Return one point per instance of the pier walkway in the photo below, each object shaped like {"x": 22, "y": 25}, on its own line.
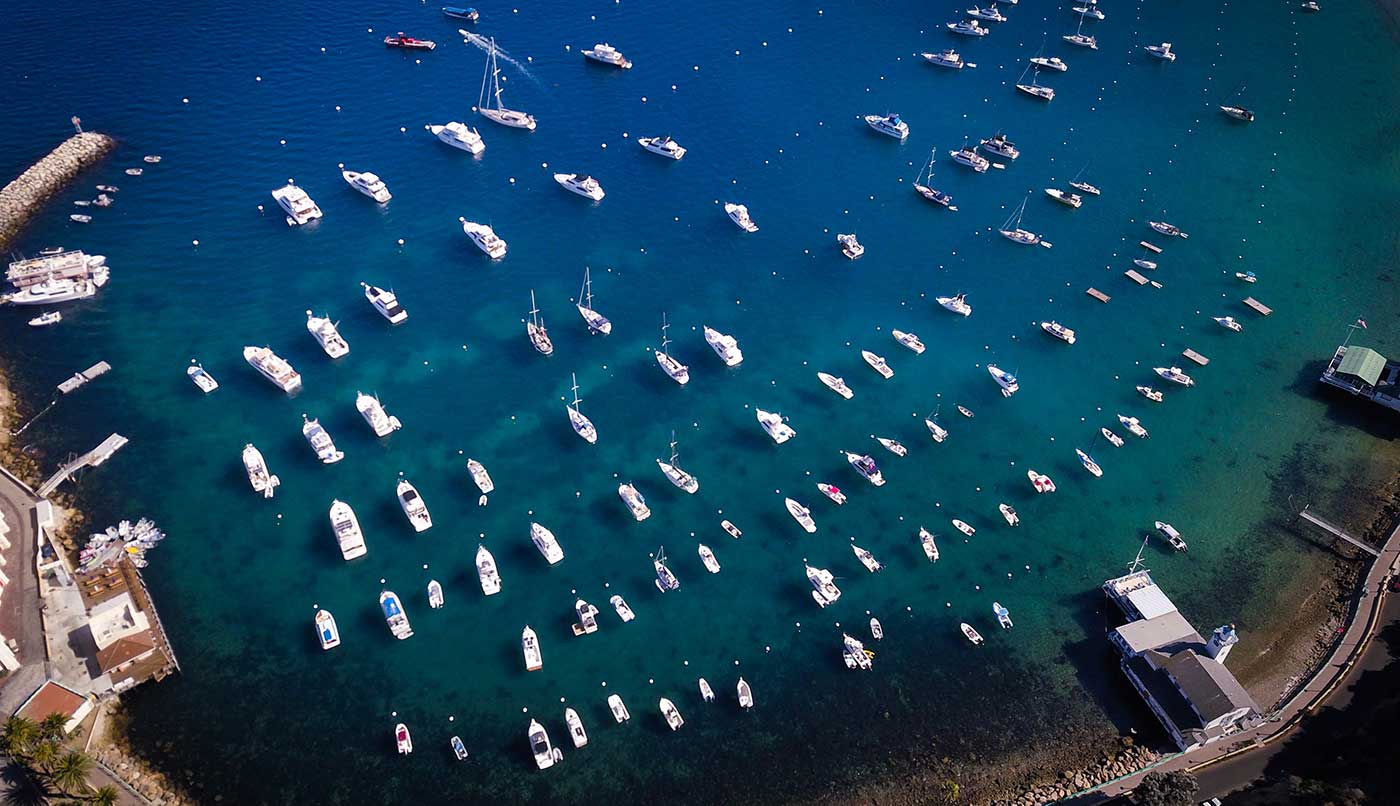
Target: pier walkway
{"x": 92, "y": 458}
{"x": 1336, "y": 531}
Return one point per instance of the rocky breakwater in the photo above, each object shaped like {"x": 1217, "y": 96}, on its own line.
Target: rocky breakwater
{"x": 21, "y": 199}
{"x": 1113, "y": 762}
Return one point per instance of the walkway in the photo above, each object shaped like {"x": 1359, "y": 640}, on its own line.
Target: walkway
{"x": 92, "y": 458}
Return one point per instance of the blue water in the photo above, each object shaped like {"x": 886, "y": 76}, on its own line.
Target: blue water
{"x": 767, "y": 99}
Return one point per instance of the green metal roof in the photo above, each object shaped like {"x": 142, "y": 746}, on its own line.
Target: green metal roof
{"x": 1364, "y": 363}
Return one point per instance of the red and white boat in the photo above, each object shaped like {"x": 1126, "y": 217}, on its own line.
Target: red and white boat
{"x": 1042, "y": 483}
{"x": 408, "y": 43}
{"x": 833, "y": 492}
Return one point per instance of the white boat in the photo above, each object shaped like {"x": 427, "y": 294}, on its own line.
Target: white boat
{"x": 850, "y": 247}
{"x": 1090, "y": 9}
{"x": 665, "y": 580}
{"x": 480, "y": 477}
{"x": 774, "y": 425}
{"x": 1009, "y": 512}
{"x": 607, "y": 54}
{"x": 580, "y": 423}
{"x": 1238, "y": 113}
{"x": 877, "y": 631}
{"x": 488, "y": 103}
{"x": 618, "y": 708}
{"x": 909, "y": 340}
{"x": 724, "y": 346}
{"x": 485, "y": 238}
{"x": 413, "y": 506}
{"x": 732, "y": 530}
{"x": 459, "y": 135}
{"x": 1144, "y": 263}
{"x": 923, "y": 184}
{"x": 402, "y": 740}
{"x": 938, "y": 432}
{"x": 739, "y": 214}
{"x": 1007, "y": 381}
{"x": 866, "y": 559}
{"x": 1080, "y": 38}
{"x": 1003, "y": 615}
{"x": 877, "y": 363}
{"x": 380, "y": 421}
{"x": 968, "y": 28}
{"x": 1034, "y": 89}
{"x": 435, "y": 594}
{"x": 347, "y": 531}
{"x": 801, "y": 514}
{"x": 394, "y": 616}
{"x": 1175, "y": 375}
{"x": 55, "y": 289}
{"x": 1150, "y": 393}
{"x": 597, "y": 323}
{"x": 487, "y": 572}
{"x": 930, "y": 547}
{"x": 1070, "y": 199}
{"x": 671, "y": 714}
{"x": 298, "y": 206}
{"x": 1246, "y": 276}
{"x": 1113, "y": 439}
{"x": 587, "y": 618}
{"x": 1050, "y": 63}
{"x": 1172, "y": 535}
{"x": 971, "y": 634}
{"x": 1013, "y": 231}
{"x": 964, "y": 527}
{"x": 1041, "y": 482}
{"x": 539, "y": 337}
{"x": 706, "y": 693}
{"x": 1134, "y": 426}
{"x": 833, "y": 492}
{"x": 745, "y": 694}
{"x": 367, "y": 183}
{"x": 1167, "y": 229}
{"x": 970, "y": 158}
{"x": 258, "y": 475}
{"x": 835, "y": 384}
{"x": 546, "y": 543}
{"x": 674, "y": 369}
{"x": 54, "y": 317}
{"x": 1229, "y": 323}
{"x": 326, "y": 631}
{"x": 83, "y": 218}
{"x": 200, "y": 376}
{"x": 320, "y": 440}
{"x": 854, "y": 653}
{"x": 893, "y": 446}
{"x": 1162, "y": 51}
{"x": 274, "y": 368}
{"x": 1059, "y": 331}
{"x": 708, "y": 558}
{"x": 866, "y": 466}
{"x": 324, "y": 331}
{"x": 990, "y": 14}
{"x": 824, "y": 590}
{"x": 636, "y": 504}
{"x": 582, "y": 184}
{"x": 1089, "y": 463}
{"x": 888, "y": 124}
{"x": 385, "y": 302}
{"x": 546, "y": 755}
{"x": 1084, "y": 187}
{"x": 623, "y": 611}
{"x": 664, "y": 146}
{"x": 672, "y": 470}
{"x": 956, "y": 304}
{"x": 945, "y": 58}
{"x": 530, "y": 647}
{"x": 1001, "y": 146}
{"x": 576, "y": 731}
{"x": 459, "y": 749}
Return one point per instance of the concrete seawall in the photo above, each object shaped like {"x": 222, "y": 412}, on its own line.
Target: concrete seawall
{"x": 22, "y": 199}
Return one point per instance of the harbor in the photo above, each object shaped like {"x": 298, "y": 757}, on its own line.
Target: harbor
{"x": 24, "y": 196}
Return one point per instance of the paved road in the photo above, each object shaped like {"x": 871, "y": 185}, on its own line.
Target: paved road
{"x": 19, "y": 605}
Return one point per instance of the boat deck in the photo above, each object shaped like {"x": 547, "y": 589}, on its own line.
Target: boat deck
{"x": 66, "y": 265}
{"x": 1132, "y": 274}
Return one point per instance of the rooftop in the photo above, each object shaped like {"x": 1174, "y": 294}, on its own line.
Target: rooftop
{"x": 125, "y": 649}
{"x": 116, "y": 618}
{"x": 1169, "y": 632}
{"x": 1211, "y": 688}
{"x": 1139, "y": 596}
{"x": 51, "y": 698}
{"x": 1364, "y": 363}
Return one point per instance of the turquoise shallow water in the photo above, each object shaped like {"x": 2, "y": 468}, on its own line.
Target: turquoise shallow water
{"x": 261, "y": 715}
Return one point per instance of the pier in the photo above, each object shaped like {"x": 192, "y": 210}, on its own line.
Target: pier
{"x": 1098, "y": 295}
{"x": 1336, "y": 531}
{"x": 22, "y": 198}
{"x": 1363, "y": 372}
{"x": 92, "y": 458}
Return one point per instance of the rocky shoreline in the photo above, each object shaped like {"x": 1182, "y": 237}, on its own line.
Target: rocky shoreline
{"x": 1111, "y": 763}
{"x": 22, "y": 199}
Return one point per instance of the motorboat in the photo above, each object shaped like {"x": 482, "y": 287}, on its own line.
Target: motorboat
{"x": 706, "y": 693}
{"x": 489, "y": 104}
{"x": 1162, "y": 51}
{"x": 674, "y": 369}
{"x": 970, "y": 158}
{"x": 367, "y": 183}
{"x": 198, "y": 375}
{"x": 546, "y": 543}
{"x": 636, "y": 504}
{"x": 1238, "y": 113}
{"x": 402, "y": 41}
{"x": 673, "y": 472}
{"x": 1311, "y": 6}
{"x": 320, "y": 440}
{"x": 724, "y": 346}
{"x": 801, "y": 514}
{"x": 671, "y": 714}
{"x": 665, "y": 580}
{"x": 964, "y": 527}
{"x": 866, "y": 466}
{"x": 587, "y": 618}
{"x": 854, "y": 653}
{"x": 258, "y": 475}
{"x": 1003, "y": 615}
{"x": 999, "y": 145}
{"x": 966, "y": 412}
{"x": 535, "y": 329}
{"x": 624, "y": 612}
{"x": 877, "y": 630}
{"x": 739, "y": 214}
{"x": 394, "y": 616}
{"x": 1050, "y": 63}
{"x": 413, "y": 506}
{"x": 1007, "y": 381}
{"x": 274, "y": 368}
{"x": 83, "y": 218}
{"x": 1246, "y": 276}
{"x": 468, "y": 14}
{"x": 324, "y": 331}
{"x": 1059, "y": 331}
{"x": 1144, "y": 263}
{"x": 938, "y": 432}
{"x": 546, "y": 755}
{"x": 1041, "y": 482}
{"x": 576, "y": 731}
{"x": 1167, "y": 229}
{"x": 326, "y": 631}
{"x": 597, "y": 323}
{"x": 485, "y": 238}
{"x": 435, "y": 594}
{"x": 402, "y": 740}
{"x": 480, "y": 477}
{"x": 893, "y": 446}
{"x": 930, "y": 547}
{"x": 580, "y": 423}
{"x": 833, "y": 492}
{"x": 909, "y": 340}
{"x": 945, "y": 58}
{"x": 707, "y": 556}
{"x": 385, "y": 302}
{"x": 530, "y": 647}
{"x": 380, "y": 421}
{"x": 1071, "y": 199}
{"x": 55, "y": 289}
{"x": 1009, "y": 513}
{"x": 582, "y": 184}
{"x": 824, "y": 590}
{"x": 968, "y": 28}
{"x": 971, "y": 634}
{"x": 1089, "y": 463}
{"x": 730, "y": 529}
{"x": 923, "y": 184}
{"x": 664, "y": 146}
{"x": 890, "y": 124}
{"x": 956, "y": 304}
{"x": 458, "y": 748}
{"x": 347, "y": 531}
{"x": 1089, "y": 9}
{"x": 877, "y": 363}
{"x": 1175, "y": 375}
{"x": 990, "y": 14}
{"x": 298, "y": 206}
{"x": 774, "y": 425}
{"x": 1150, "y": 393}
{"x": 487, "y": 572}
{"x": 866, "y": 559}
{"x": 1134, "y": 426}
{"x": 850, "y": 247}
{"x": 1014, "y": 232}
{"x": 618, "y": 708}
{"x": 835, "y": 384}
{"x": 1172, "y": 536}
{"x": 1229, "y": 323}
{"x": 745, "y": 693}
{"x": 607, "y": 54}
{"x": 459, "y": 135}
{"x": 1113, "y": 439}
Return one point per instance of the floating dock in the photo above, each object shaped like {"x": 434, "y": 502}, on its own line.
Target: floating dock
{"x": 79, "y": 378}
{"x": 1195, "y": 356}
{"x": 92, "y": 458}
{"x": 1259, "y": 307}
{"x": 1132, "y": 274}
{"x": 1097, "y": 294}
{"x": 1151, "y": 247}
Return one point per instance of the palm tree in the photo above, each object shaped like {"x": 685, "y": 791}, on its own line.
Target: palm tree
{"x": 18, "y": 736}
{"x": 42, "y": 757}
{"x": 71, "y": 771}
{"x": 53, "y": 727}
{"x": 105, "y": 796}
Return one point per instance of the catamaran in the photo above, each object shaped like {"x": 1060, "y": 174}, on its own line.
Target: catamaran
{"x": 487, "y": 572}
{"x": 938, "y": 432}
{"x": 1012, "y": 230}
{"x": 774, "y": 425}
{"x": 273, "y": 367}
{"x": 546, "y": 543}
{"x": 1059, "y": 331}
{"x": 724, "y": 346}
{"x": 459, "y": 135}
{"x": 956, "y": 304}
{"x": 530, "y": 648}
{"x": 745, "y": 694}
{"x": 1041, "y": 482}
{"x": 489, "y": 105}
{"x": 930, "y": 547}
{"x": 394, "y": 615}
{"x": 923, "y": 185}
{"x": 480, "y": 477}
{"x": 624, "y": 612}
{"x": 674, "y": 369}
{"x": 636, "y": 504}
{"x": 866, "y": 559}
{"x": 413, "y": 506}
{"x": 801, "y": 514}
{"x": 665, "y": 580}
{"x": 708, "y": 558}
{"x": 534, "y": 328}
{"x": 854, "y": 653}
{"x": 888, "y": 124}
{"x": 326, "y": 631}
{"x": 581, "y": 424}
{"x": 546, "y": 756}
{"x": 672, "y": 470}
{"x": 324, "y": 331}
{"x": 865, "y": 466}
{"x": 739, "y": 214}
{"x": 385, "y": 302}
{"x": 367, "y": 183}
{"x": 380, "y": 421}
{"x": 850, "y": 247}
{"x": 664, "y": 146}
{"x": 1175, "y": 375}
{"x": 1007, "y": 381}
{"x": 877, "y": 363}
{"x": 347, "y": 531}
{"x": 258, "y": 475}
{"x": 908, "y": 340}
{"x": 320, "y": 441}
{"x": 485, "y": 238}
{"x": 824, "y": 589}
{"x": 836, "y": 385}
{"x": 597, "y": 323}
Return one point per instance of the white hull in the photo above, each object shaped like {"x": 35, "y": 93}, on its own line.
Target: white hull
{"x": 487, "y": 572}
{"x": 347, "y": 531}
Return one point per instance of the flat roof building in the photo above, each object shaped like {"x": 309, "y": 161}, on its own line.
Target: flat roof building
{"x": 1363, "y": 372}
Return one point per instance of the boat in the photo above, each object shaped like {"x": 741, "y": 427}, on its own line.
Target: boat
{"x": 1311, "y": 6}
{"x": 1229, "y": 323}
{"x": 739, "y": 214}
{"x": 1012, "y": 230}
{"x": 855, "y": 654}
{"x": 400, "y": 40}
{"x": 945, "y": 58}
{"x": 745, "y": 694}
{"x": 999, "y": 145}
{"x": 1134, "y": 426}
{"x": 866, "y": 466}
{"x": 1246, "y": 276}
{"x": 801, "y": 514}
{"x": 54, "y": 289}
{"x": 1175, "y": 375}
{"x": 1008, "y": 512}
{"x": 298, "y": 206}
{"x": 1238, "y": 113}
{"x": 597, "y": 323}
{"x": 258, "y": 476}
{"x": 1007, "y": 381}
{"x": 394, "y": 615}
{"x": 324, "y": 331}
{"x": 347, "y": 531}
{"x": 966, "y": 412}
{"x": 964, "y": 527}
{"x": 582, "y": 184}
{"x": 103, "y": 189}
{"x": 134, "y": 171}
{"x": 1144, "y": 263}
{"x": 888, "y": 124}
{"x": 729, "y": 527}
{"x": 850, "y": 247}
{"x": 413, "y": 506}
{"x": 607, "y": 54}
{"x": 1167, "y": 229}
{"x": 485, "y": 238}
{"x": 970, "y": 158}
{"x": 581, "y": 424}
{"x": 1089, "y": 463}
{"x": 835, "y": 384}
{"x": 539, "y": 337}
{"x": 488, "y": 103}
{"x": 434, "y": 594}
{"x": 458, "y": 749}
{"x": 1059, "y": 331}
{"x": 866, "y": 559}
{"x": 968, "y": 28}
{"x": 1150, "y": 393}
{"x": 530, "y": 646}
{"x": 618, "y": 708}
{"x": 1172, "y": 535}
{"x": 380, "y": 421}
{"x": 636, "y": 504}
{"x": 82, "y": 218}
{"x": 708, "y": 558}
{"x": 990, "y": 14}
{"x": 1089, "y": 9}
{"x": 459, "y": 135}
{"x": 672, "y": 470}
{"x": 402, "y": 740}
{"x": 468, "y": 14}
{"x": 367, "y": 183}
{"x": 664, "y": 146}
{"x": 1072, "y": 199}
{"x": 576, "y": 731}
{"x": 587, "y": 618}
{"x": 824, "y": 590}
{"x": 774, "y": 425}
{"x": 1034, "y": 89}
{"x": 1162, "y": 51}
{"x": 671, "y": 714}
{"x": 152, "y": 159}
{"x": 320, "y": 441}
{"x": 274, "y": 368}
{"x": 326, "y": 631}
{"x": 200, "y": 376}
{"x": 1051, "y": 63}
{"x": 546, "y": 543}
{"x": 877, "y": 363}
{"x": 909, "y": 340}
{"x": 385, "y": 302}
{"x": 1080, "y": 38}
{"x": 893, "y": 446}
{"x": 926, "y": 539}
{"x": 956, "y": 304}
{"x": 480, "y": 477}
{"x": 972, "y": 635}
{"x": 938, "y": 432}
{"x": 706, "y": 693}
{"x": 487, "y": 572}
{"x": 623, "y": 611}
{"x": 665, "y": 580}
{"x": 923, "y": 185}
{"x": 1003, "y": 615}
{"x": 1041, "y": 482}
{"x": 833, "y": 492}
{"x": 674, "y": 369}
{"x": 877, "y": 631}
{"x": 724, "y": 346}
{"x": 1084, "y": 187}
{"x": 546, "y": 756}
{"x": 1113, "y": 439}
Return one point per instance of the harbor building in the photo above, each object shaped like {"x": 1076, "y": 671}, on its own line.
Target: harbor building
{"x": 1180, "y": 675}
{"x": 55, "y": 698}
{"x": 1363, "y": 372}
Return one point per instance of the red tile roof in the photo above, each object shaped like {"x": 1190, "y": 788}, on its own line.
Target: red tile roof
{"x": 51, "y": 698}
{"x": 125, "y": 649}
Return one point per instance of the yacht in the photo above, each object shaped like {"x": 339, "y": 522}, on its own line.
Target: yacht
{"x": 1134, "y": 426}
{"x": 1089, "y": 463}
{"x": 530, "y": 647}
{"x": 802, "y": 515}
{"x": 1246, "y": 276}
{"x": 1144, "y": 263}
{"x": 582, "y": 184}
{"x": 623, "y": 611}
{"x": 1311, "y": 6}
{"x": 459, "y": 749}
{"x": 1034, "y": 89}
{"x": 674, "y": 369}
{"x": 745, "y": 694}
{"x": 1009, "y": 512}
{"x": 488, "y": 103}
{"x": 324, "y": 331}
{"x": 539, "y": 337}
{"x": 1172, "y": 535}
{"x": 1007, "y": 381}
{"x": 706, "y": 693}
{"x": 1238, "y": 113}
{"x": 1059, "y": 331}
{"x": 1071, "y": 199}
{"x": 1162, "y": 51}
{"x": 970, "y": 158}
{"x": 930, "y": 547}
{"x": 581, "y": 424}
{"x": 413, "y": 506}
{"x": 367, "y": 183}
{"x": 888, "y": 124}
{"x": 866, "y": 466}
{"x": 1090, "y": 9}
{"x": 597, "y": 323}
{"x": 938, "y": 432}
{"x": 866, "y": 559}
{"x": 923, "y": 184}
{"x": 636, "y": 504}
{"x": 968, "y": 28}
{"x": 850, "y": 247}
{"x": 773, "y": 424}
{"x": 576, "y": 731}
{"x": 298, "y": 206}
{"x": 964, "y": 527}
{"x": 1013, "y": 231}
{"x": 487, "y": 572}
{"x": 434, "y": 594}
{"x": 672, "y": 470}
{"x": 824, "y": 589}
{"x": 1167, "y": 229}
{"x": 468, "y": 14}
{"x": 1051, "y": 63}
{"x": 893, "y": 446}
{"x": 201, "y": 377}
{"x": 320, "y": 441}
{"x": 908, "y": 340}
{"x": 607, "y": 54}
{"x": 326, "y": 631}
{"x": 545, "y": 755}
{"x": 724, "y": 346}
{"x": 274, "y": 368}
{"x": 877, "y": 631}
{"x": 618, "y": 708}
{"x": 999, "y": 145}
{"x": 373, "y": 411}
{"x": 990, "y": 14}
{"x": 833, "y": 492}
{"x": 258, "y": 475}
{"x": 665, "y": 580}
{"x": 1082, "y": 186}
{"x": 546, "y": 543}
{"x": 708, "y": 558}
{"x": 739, "y": 214}
{"x": 664, "y": 146}
{"x": 956, "y": 304}
{"x": 1041, "y": 482}
{"x": 671, "y": 715}
{"x": 877, "y": 363}
{"x": 55, "y": 289}
{"x": 1003, "y": 615}
{"x": 480, "y": 477}
{"x": 1175, "y": 375}
{"x": 587, "y": 618}
{"x": 945, "y": 58}
{"x": 347, "y": 531}
{"x": 1150, "y": 393}
{"x": 1113, "y": 439}
{"x": 385, "y": 302}
{"x": 394, "y": 615}
{"x": 402, "y": 739}
{"x": 971, "y": 634}
{"x": 400, "y": 40}
{"x": 1229, "y": 323}
{"x": 459, "y": 135}
{"x": 836, "y": 385}
{"x": 855, "y": 654}
{"x": 485, "y": 238}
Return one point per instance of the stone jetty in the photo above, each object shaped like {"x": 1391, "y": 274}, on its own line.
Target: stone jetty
{"x": 22, "y": 199}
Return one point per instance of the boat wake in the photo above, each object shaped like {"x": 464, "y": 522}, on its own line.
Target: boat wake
{"x": 484, "y": 44}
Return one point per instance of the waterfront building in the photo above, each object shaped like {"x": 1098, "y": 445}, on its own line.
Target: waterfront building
{"x": 1363, "y": 372}
{"x": 55, "y": 698}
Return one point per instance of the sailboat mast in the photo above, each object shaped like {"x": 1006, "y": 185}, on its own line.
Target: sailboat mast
{"x": 481, "y": 96}
{"x": 574, "y": 376}
{"x": 534, "y": 309}
{"x": 673, "y": 449}
{"x": 664, "y": 339}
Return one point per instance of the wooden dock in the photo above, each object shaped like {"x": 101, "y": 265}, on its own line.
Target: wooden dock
{"x": 1151, "y": 247}
{"x": 1259, "y": 307}
{"x": 1132, "y": 274}
{"x": 1195, "y": 356}
{"x": 92, "y": 458}
{"x": 1098, "y": 295}
{"x": 1336, "y": 532}
{"x": 79, "y": 378}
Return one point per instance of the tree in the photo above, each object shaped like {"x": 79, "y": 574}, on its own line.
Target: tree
{"x": 71, "y": 771}
{"x": 52, "y": 727}
{"x": 18, "y": 736}
{"x": 105, "y": 796}
{"x": 1176, "y": 788}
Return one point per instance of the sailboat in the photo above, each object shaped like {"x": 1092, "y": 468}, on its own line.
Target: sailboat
{"x": 597, "y": 323}
{"x": 498, "y": 113}
{"x": 538, "y": 335}
{"x": 1084, "y": 187}
{"x": 1237, "y": 112}
{"x": 1080, "y": 38}
{"x": 1012, "y": 230}
{"x": 673, "y": 471}
{"x": 923, "y": 184}
{"x": 1034, "y": 88}
{"x": 582, "y": 425}
{"x": 677, "y": 371}
{"x": 938, "y": 432}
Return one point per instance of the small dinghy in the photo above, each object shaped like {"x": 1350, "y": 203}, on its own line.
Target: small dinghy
{"x": 1003, "y": 615}
{"x": 54, "y": 317}
{"x": 618, "y": 708}
{"x": 876, "y": 630}
{"x": 706, "y": 693}
{"x": 1012, "y": 519}
{"x": 434, "y": 594}
{"x": 733, "y": 530}
{"x": 972, "y": 634}
{"x": 459, "y": 749}
{"x": 745, "y": 694}
{"x": 963, "y": 527}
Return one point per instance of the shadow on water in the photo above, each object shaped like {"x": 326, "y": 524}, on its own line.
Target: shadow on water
{"x": 1344, "y": 410}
